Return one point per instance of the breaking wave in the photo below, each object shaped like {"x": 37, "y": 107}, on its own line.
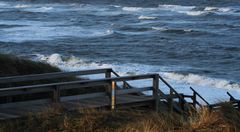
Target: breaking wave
{"x": 194, "y": 11}
{"x": 202, "y": 80}
{"x": 218, "y": 9}
{"x": 73, "y": 63}
{"x": 176, "y": 7}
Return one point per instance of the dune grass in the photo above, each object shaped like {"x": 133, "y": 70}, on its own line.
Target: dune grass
{"x": 12, "y": 66}
{"x": 55, "y": 119}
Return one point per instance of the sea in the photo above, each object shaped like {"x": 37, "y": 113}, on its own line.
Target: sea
{"x": 189, "y": 43}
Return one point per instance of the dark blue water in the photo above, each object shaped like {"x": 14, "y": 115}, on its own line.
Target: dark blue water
{"x": 195, "y": 42}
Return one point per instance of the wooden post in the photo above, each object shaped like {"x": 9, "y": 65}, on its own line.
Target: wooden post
{"x": 108, "y": 74}
{"x": 182, "y": 103}
{"x": 125, "y": 86}
{"x": 9, "y": 98}
{"x": 155, "y": 92}
{"x": 108, "y": 87}
{"x": 113, "y": 95}
{"x": 194, "y": 98}
{"x": 56, "y": 94}
{"x": 170, "y": 101}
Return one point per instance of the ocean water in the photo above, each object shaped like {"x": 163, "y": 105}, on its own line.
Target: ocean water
{"x": 193, "y": 43}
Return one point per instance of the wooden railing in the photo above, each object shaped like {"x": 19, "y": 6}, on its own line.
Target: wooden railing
{"x": 195, "y": 101}
{"x": 45, "y": 76}
{"x": 184, "y": 108}
{"x": 110, "y": 80}
{"x": 235, "y": 102}
{"x": 231, "y": 97}
{"x": 56, "y": 88}
{"x": 125, "y": 84}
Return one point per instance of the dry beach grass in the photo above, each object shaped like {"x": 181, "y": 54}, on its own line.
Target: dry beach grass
{"x": 55, "y": 118}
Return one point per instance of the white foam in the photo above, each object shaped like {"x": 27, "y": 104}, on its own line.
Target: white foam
{"x": 210, "y": 8}
{"x": 22, "y": 6}
{"x": 176, "y": 7}
{"x": 34, "y": 30}
{"x": 133, "y": 9}
{"x": 225, "y": 9}
{"x": 202, "y": 80}
{"x": 70, "y": 63}
{"x": 40, "y": 9}
{"x": 188, "y": 10}
{"x": 146, "y": 17}
{"x": 139, "y": 9}
{"x": 195, "y": 13}
{"x": 171, "y": 29}
{"x": 218, "y": 9}
{"x": 210, "y": 88}
{"x": 160, "y": 28}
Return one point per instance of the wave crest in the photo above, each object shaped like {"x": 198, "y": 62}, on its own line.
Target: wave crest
{"x": 218, "y": 9}
{"x": 73, "y": 63}
{"x": 146, "y": 17}
{"x": 169, "y": 30}
{"x": 132, "y": 8}
{"x": 22, "y": 6}
{"x": 202, "y": 80}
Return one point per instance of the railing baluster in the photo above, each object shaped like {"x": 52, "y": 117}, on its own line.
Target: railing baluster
{"x": 182, "y": 103}
{"x": 194, "y": 98}
{"x": 113, "y": 95}
{"x": 56, "y": 94}
{"x": 175, "y": 92}
{"x": 155, "y": 91}
{"x": 170, "y": 101}
{"x": 125, "y": 84}
{"x": 108, "y": 73}
{"x": 231, "y": 97}
{"x": 200, "y": 97}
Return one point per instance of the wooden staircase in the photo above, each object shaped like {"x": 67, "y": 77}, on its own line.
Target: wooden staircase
{"x": 111, "y": 91}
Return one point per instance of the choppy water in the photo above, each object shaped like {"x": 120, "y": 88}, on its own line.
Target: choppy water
{"x": 189, "y": 43}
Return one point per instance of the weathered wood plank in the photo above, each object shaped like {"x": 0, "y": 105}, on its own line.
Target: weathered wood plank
{"x": 51, "y": 75}
{"x": 47, "y": 89}
{"x": 23, "y": 92}
{"x": 133, "y": 90}
{"x": 83, "y": 96}
{"x": 125, "y": 99}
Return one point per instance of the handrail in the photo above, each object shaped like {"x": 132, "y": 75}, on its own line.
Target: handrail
{"x": 51, "y": 75}
{"x": 171, "y": 88}
{"x": 117, "y": 75}
{"x": 231, "y": 97}
{"x": 123, "y": 78}
{"x": 111, "y": 91}
{"x": 199, "y": 96}
{"x": 182, "y": 101}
